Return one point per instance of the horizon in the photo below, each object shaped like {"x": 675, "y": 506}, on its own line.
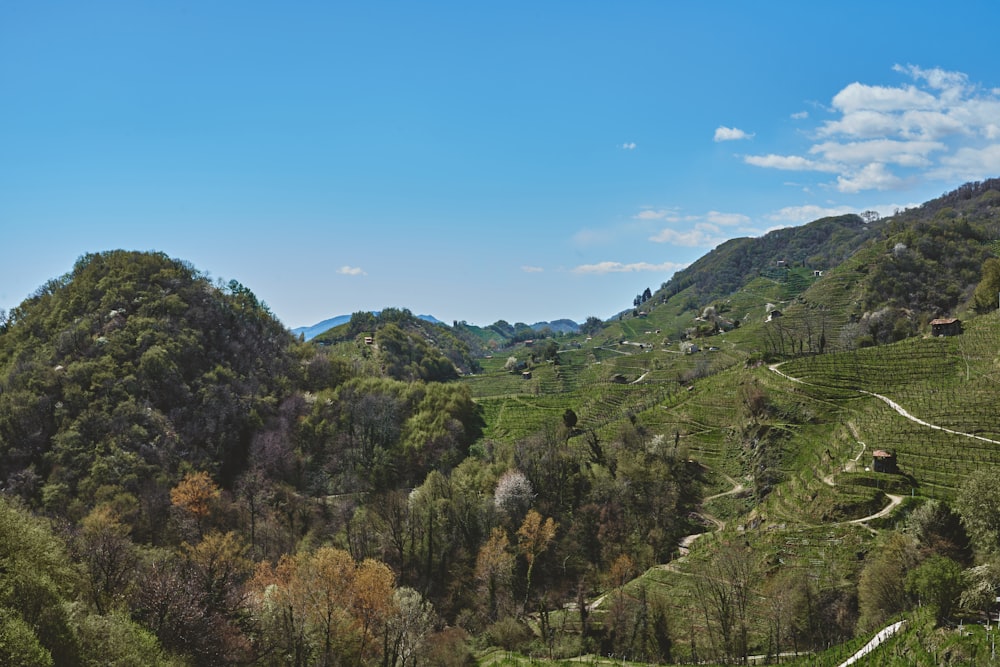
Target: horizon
{"x": 521, "y": 163}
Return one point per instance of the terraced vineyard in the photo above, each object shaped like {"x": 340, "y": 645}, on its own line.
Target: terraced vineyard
{"x": 950, "y": 383}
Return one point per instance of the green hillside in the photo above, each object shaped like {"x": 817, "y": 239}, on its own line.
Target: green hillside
{"x": 694, "y": 480}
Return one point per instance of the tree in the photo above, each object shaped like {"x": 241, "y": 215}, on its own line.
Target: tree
{"x": 218, "y": 567}
{"x": 495, "y": 573}
{"x": 196, "y": 495}
{"x": 725, "y": 588}
{"x": 410, "y": 623}
{"x": 513, "y": 494}
{"x": 987, "y": 294}
{"x": 937, "y": 583}
{"x": 19, "y": 647}
{"x": 940, "y": 531}
{"x": 108, "y": 555}
{"x": 533, "y": 538}
{"x": 592, "y": 325}
{"x": 324, "y": 608}
{"x": 978, "y": 503}
{"x": 882, "y": 586}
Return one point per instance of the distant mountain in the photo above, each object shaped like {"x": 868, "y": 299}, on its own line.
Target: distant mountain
{"x": 558, "y": 326}
{"x": 324, "y": 326}
{"x": 316, "y": 329}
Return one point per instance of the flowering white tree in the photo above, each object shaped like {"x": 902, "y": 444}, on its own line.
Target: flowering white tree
{"x": 513, "y": 494}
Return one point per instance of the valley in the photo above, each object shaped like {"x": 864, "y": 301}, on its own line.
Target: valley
{"x": 771, "y": 455}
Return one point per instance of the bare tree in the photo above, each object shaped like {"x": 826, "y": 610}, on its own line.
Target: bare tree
{"x": 725, "y": 588}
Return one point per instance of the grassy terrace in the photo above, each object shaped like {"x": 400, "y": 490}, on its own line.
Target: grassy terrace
{"x": 948, "y": 382}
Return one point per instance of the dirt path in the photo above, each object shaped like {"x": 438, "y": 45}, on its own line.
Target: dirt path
{"x": 894, "y": 405}
{"x": 894, "y": 500}
{"x": 898, "y": 408}
{"x": 684, "y": 546}
{"x": 883, "y": 634}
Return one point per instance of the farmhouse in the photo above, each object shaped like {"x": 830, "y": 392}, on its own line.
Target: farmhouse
{"x": 884, "y": 461}
{"x": 951, "y": 326}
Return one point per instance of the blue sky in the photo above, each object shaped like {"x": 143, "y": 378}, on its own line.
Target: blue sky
{"x": 480, "y": 161}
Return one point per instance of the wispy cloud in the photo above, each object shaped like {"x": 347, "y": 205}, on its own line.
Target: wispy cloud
{"x": 532, "y": 269}
{"x": 693, "y": 231}
{"x": 723, "y": 133}
{"x": 800, "y": 115}
{"x": 727, "y": 219}
{"x": 617, "y": 267}
{"x": 668, "y": 214}
{"x": 351, "y": 271}
{"x": 788, "y": 163}
{"x": 628, "y": 146}
{"x": 808, "y": 213}
{"x": 936, "y": 126}
{"x": 702, "y": 235}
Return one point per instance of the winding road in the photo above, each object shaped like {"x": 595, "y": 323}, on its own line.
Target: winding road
{"x": 892, "y": 404}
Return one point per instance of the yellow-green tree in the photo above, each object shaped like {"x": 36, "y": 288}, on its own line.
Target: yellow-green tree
{"x": 324, "y": 608}
{"x": 195, "y": 495}
{"x": 533, "y": 538}
{"x": 987, "y": 291}
{"x": 495, "y": 572}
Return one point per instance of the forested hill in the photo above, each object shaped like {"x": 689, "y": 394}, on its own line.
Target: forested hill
{"x": 820, "y": 245}
{"x": 918, "y": 264}
{"x": 128, "y": 367}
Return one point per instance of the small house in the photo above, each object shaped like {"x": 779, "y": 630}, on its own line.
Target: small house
{"x": 951, "y": 326}
{"x": 817, "y": 274}
{"x": 884, "y": 460}
{"x": 369, "y": 340}
{"x": 526, "y": 375}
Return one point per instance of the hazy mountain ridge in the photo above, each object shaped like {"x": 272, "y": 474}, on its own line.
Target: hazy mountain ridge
{"x": 310, "y": 332}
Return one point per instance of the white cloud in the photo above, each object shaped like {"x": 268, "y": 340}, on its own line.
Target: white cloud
{"x": 702, "y": 235}
{"x": 874, "y": 176}
{"x": 723, "y": 133}
{"x": 890, "y": 151}
{"x": 788, "y": 162}
{"x": 726, "y": 219}
{"x": 800, "y": 115}
{"x": 971, "y": 164}
{"x": 861, "y": 97}
{"x": 628, "y": 146}
{"x": 351, "y": 271}
{"x": 602, "y": 268}
{"x": 665, "y": 214}
{"x": 808, "y": 213}
{"x": 938, "y": 126}
{"x": 653, "y": 214}
{"x": 936, "y": 78}
{"x": 532, "y": 269}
